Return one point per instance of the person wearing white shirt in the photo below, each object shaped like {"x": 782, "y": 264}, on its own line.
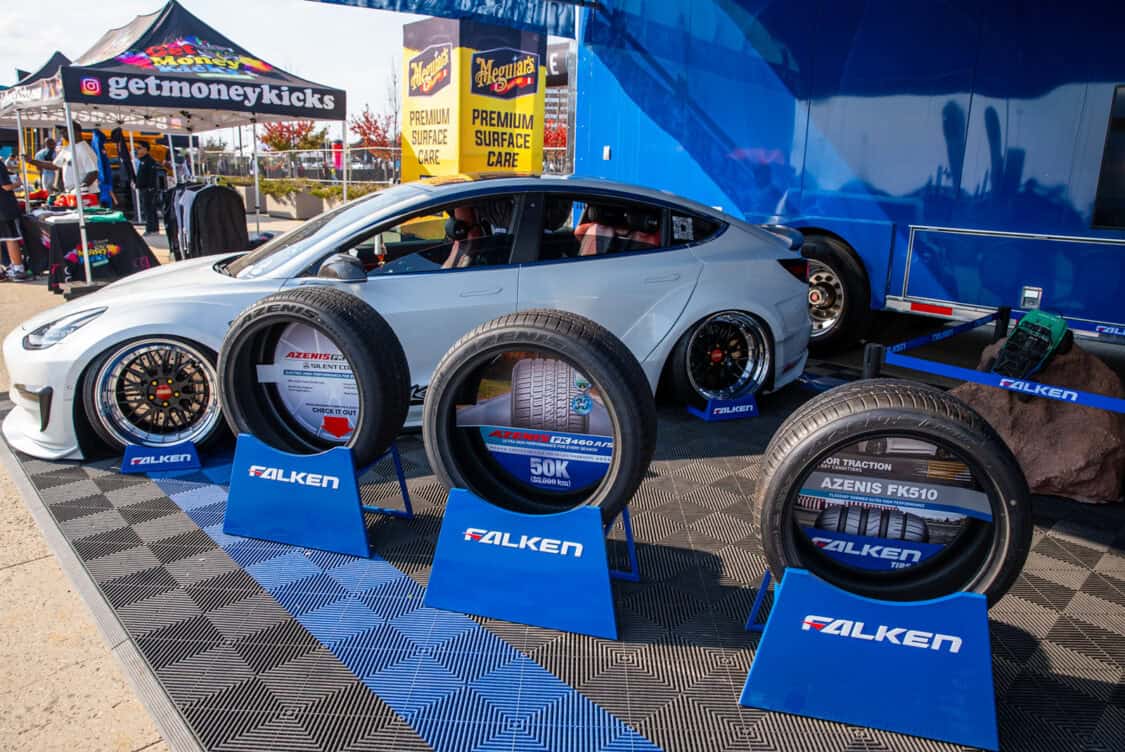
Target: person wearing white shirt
{"x": 82, "y": 167}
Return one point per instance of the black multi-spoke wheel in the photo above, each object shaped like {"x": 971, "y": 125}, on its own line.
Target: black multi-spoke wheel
{"x": 726, "y": 356}
{"x": 153, "y": 391}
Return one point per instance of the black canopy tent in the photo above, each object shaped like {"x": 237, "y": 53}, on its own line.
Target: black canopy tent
{"x": 168, "y": 71}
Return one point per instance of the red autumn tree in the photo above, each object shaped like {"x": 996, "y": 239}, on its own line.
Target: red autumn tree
{"x": 299, "y": 134}
{"x": 378, "y": 133}
{"x": 554, "y": 135}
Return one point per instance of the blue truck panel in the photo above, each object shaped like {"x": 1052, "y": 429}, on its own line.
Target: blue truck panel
{"x": 877, "y": 121}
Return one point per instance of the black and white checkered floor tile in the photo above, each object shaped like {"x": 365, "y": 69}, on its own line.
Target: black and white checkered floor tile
{"x": 266, "y": 646}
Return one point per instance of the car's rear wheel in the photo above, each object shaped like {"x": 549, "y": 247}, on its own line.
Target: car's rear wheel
{"x": 153, "y": 391}
{"x": 725, "y": 356}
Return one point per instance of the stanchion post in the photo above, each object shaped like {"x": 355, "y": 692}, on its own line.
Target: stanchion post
{"x": 873, "y": 360}
{"x": 78, "y": 194}
{"x": 23, "y": 163}
{"x": 257, "y": 182}
{"x": 136, "y": 190}
{"x": 1003, "y": 316}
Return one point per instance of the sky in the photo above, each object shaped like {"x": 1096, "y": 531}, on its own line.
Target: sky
{"x": 349, "y": 48}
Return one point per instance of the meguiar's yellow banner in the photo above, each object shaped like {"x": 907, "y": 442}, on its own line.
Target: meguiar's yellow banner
{"x": 473, "y": 99}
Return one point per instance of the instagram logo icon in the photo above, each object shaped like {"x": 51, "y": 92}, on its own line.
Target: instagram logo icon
{"x": 91, "y": 87}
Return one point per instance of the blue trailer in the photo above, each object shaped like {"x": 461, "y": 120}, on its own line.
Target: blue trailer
{"x": 941, "y": 157}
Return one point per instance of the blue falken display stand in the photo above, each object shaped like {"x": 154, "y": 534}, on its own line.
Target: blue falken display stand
{"x": 143, "y": 459}
{"x": 310, "y": 501}
{"x": 716, "y": 410}
{"x": 545, "y": 570}
{"x": 922, "y": 668}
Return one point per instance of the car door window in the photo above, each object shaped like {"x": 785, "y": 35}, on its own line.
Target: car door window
{"x": 578, "y": 226}
{"x": 465, "y": 235}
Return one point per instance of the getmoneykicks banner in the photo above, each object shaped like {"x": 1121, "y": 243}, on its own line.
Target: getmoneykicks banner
{"x": 473, "y": 99}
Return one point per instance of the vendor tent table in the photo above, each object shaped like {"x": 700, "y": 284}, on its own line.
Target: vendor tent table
{"x": 115, "y": 250}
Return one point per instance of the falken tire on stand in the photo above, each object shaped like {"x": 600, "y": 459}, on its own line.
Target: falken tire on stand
{"x": 982, "y": 557}
{"x": 315, "y": 352}
{"x": 587, "y": 351}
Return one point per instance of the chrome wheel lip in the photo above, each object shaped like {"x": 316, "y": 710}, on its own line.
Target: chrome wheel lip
{"x": 758, "y": 363}
{"x": 113, "y": 418}
{"x": 825, "y": 318}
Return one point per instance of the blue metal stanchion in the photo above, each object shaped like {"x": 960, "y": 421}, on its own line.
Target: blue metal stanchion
{"x": 752, "y": 623}
{"x": 407, "y": 513}
{"x": 633, "y": 574}
{"x": 877, "y": 356}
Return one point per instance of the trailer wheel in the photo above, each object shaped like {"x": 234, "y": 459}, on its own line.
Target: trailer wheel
{"x": 839, "y": 294}
{"x": 894, "y": 524}
{"x": 313, "y": 368}
{"x": 540, "y": 412}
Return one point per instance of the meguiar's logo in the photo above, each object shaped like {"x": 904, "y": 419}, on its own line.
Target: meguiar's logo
{"x": 430, "y": 70}
{"x": 911, "y": 638}
{"x": 535, "y": 543}
{"x": 505, "y": 73}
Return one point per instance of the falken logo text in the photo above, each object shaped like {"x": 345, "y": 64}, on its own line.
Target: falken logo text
{"x": 911, "y": 638}
{"x": 1039, "y": 390}
{"x": 891, "y": 553}
{"x": 163, "y": 459}
{"x": 528, "y": 542}
{"x": 281, "y": 475}
{"x": 733, "y": 410}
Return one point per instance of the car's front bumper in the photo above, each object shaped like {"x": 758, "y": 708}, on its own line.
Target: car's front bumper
{"x": 41, "y": 422}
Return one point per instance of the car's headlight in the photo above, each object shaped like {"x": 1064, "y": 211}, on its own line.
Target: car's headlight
{"x": 53, "y": 332}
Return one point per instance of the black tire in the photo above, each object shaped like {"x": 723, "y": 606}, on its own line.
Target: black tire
{"x": 137, "y": 369}
{"x": 688, "y": 363}
{"x": 844, "y": 285}
{"x": 542, "y": 391}
{"x": 363, "y": 337}
{"x": 460, "y": 462}
{"x": 983, "y": 558}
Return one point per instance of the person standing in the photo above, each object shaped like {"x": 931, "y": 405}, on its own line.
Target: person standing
{"x": 10, "y": 226}
{"x": 47, "y": 154}
{"x": 148, "y": 185}
{"x": 79, "y": 165}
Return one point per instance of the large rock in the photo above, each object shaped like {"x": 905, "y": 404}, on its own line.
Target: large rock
{"x": 1064, "y": 449}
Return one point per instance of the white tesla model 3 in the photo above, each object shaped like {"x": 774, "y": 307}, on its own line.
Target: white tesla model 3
{"x": 711, "y": 306}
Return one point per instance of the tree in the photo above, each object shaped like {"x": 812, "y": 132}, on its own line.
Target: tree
{"x": 214, "y": 143}
{"x": 377, "y": 132}
{"x": 299, "y": 134}
{"x": 554, "y": 134}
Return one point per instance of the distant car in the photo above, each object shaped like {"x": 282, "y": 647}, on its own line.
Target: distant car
{"x": 711, "y": 306}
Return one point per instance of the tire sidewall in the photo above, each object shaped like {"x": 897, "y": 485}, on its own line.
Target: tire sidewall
{"x": 250, "y": 410}
{"x": 634, "y": 440}
{"x": 991, "y": 465}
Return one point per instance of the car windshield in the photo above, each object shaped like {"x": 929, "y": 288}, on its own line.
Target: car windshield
{"x": 285, "y": 247}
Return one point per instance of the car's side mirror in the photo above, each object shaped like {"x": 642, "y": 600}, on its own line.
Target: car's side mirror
{"x": 342, "y": 268}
